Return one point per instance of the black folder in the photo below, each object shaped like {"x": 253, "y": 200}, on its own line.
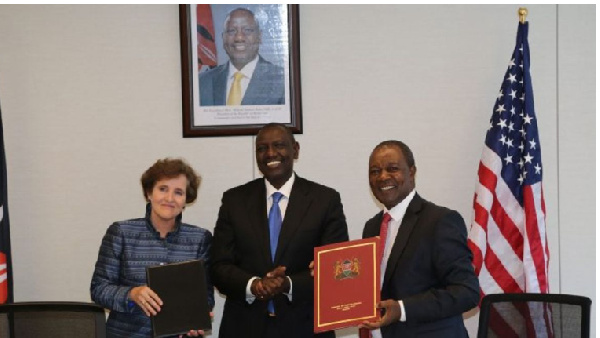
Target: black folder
{"x": 182, "y": 288}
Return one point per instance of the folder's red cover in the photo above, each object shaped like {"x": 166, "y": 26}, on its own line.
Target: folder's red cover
{"x": 347, "y": 284}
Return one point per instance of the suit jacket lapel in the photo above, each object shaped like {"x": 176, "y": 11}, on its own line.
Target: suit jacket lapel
{"x": 220, "y": 86}
{"x": 257, "y": 210}
{"x": 296, "y": 210}
{"x": 263, "y": 86}
{"x": 257, "y": 86}
{"x": 406, "y": 227}
{"x": 373, "y": 229}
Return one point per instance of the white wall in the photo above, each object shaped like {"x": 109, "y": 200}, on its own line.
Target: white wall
{"x": 576, "y": 151}
{"x": 91, "y": 96}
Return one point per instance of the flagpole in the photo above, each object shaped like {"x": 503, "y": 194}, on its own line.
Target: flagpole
{"x": 522, "y": 14}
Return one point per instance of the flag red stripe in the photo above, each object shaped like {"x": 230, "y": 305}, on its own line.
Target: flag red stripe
{"x": 508, "y": 229}
{"x": 499, "y": 273}
{"x": 533, "y": 235}
{"x": 523, "y": 309}
{"x": 487, "y": 177}
{"x": 499, "y": 326}
{"x": 481, "y": 215}
{"x": 481, "y": 219}
{"x": 477, "y": 256}
{"x": 543, "y": 203}
{"x": 4, "y": 283}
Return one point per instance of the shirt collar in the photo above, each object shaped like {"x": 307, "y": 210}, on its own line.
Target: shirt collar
{"x": 151, "y": 227}
{"x": 398, "y": 211}
{"x": 286, "y": 188}
{"x": 247, "y": 70}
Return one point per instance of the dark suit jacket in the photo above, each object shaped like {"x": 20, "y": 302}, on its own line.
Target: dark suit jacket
{"x": 265, "y": 88}
{"x": 240, "y": 251}
{"x": 430, "y": 270}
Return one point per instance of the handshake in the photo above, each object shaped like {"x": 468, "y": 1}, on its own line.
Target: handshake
{"x": 274, "y": 283}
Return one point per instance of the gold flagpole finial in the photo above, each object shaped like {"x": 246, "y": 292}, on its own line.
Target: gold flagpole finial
{"x": 522, "y": 14}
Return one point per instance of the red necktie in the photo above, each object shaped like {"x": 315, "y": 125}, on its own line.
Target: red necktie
{"x": 383, "y": 230}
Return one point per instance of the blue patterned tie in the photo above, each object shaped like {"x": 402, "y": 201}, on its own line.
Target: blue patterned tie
{"x": 274, "y": 230}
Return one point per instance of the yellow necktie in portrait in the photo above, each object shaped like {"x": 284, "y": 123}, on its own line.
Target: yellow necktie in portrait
{"x": 235, "y": 93}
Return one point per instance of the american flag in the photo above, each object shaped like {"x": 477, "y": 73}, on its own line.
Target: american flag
{"x": 508, "y": 230}
{"x": 6, "y": 284}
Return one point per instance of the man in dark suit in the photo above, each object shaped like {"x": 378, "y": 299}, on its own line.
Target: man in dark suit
{"x": 247, "y": 79}
{"x": 269, "y": 289}
{"x": 427, "y": 277}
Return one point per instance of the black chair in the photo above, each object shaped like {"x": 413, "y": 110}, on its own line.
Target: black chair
{"x": 52, "y": 320}
{"x": 534, "y": 315}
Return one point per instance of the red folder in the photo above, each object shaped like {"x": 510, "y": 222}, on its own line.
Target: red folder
{"x": 347, "y": 284}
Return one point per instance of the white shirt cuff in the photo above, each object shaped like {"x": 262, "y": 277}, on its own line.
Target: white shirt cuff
{"x": 289, "y": 294}
{"x": 403, "y": 313}
{"x": 249, "y": 296}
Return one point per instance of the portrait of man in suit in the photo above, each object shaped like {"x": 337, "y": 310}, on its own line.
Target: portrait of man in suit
{"x": 247, "y": 78}
{"x": 427, "y": 280}
{"x": 263, "y": 243}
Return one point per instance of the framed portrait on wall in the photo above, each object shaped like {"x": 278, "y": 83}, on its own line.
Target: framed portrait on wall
{"x": 240, "y": 68}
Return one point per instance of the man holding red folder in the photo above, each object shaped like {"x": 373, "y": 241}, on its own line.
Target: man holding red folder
{"x": 427, "y": 280}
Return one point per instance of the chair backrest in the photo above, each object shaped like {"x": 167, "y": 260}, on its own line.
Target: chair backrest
{"x": 534, "y": 315}
{"x": 52, "y": 320}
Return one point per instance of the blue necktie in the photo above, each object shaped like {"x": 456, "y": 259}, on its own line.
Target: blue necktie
{"x": 274, "y": 230}
{"x": 275, "y": 223}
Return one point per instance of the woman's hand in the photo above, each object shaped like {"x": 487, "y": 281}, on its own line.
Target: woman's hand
{"x": 197, "y": 333}
{"x": 193, "y": 333}
{"x": 146, "y": 299}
